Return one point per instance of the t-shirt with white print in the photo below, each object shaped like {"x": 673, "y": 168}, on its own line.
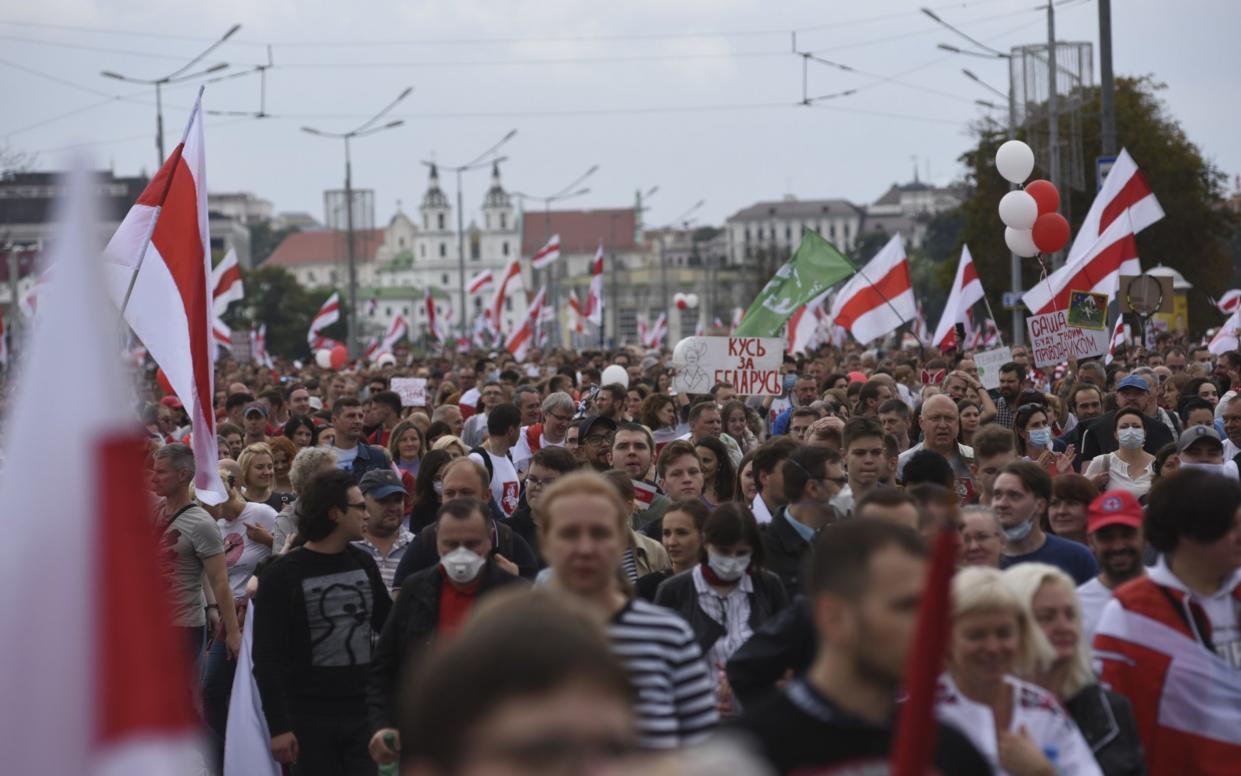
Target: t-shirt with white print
{"x": 505, "y": 487}
{"x": 241, "y": 553}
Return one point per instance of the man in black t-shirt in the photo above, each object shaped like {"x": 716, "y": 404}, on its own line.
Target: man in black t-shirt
{"x": 865, "y": 583}
{"x": 317, "y": 612}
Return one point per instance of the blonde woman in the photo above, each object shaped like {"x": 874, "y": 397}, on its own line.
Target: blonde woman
{"x": 453, "y": 445}
{"x": 258, "y": 476}
{"x": 1105, "y": 718}
{"x": 1018, "y": 726}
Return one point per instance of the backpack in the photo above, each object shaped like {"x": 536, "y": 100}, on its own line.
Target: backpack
{"x": 486, "y": 456}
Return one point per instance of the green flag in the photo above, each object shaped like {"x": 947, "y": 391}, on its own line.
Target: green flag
{"x": 814, "y": 268}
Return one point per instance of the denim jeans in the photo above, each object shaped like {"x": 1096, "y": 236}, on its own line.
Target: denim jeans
{"x": 217, "y": 689}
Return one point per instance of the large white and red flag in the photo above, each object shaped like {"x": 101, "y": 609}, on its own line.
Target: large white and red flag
{"x": 1226, "y": 338}
{"x": 594, "y": 299}
{"x": 226, "y": 286}
{"x": 479, "y": 282}
{"x": 519, "y": 342}
{"x": 102, "y": 676}
{"x": 879, "y": 297}
{"x": 329, "y": 313}
{"x": 966, "y": 292}
{"x": 548, "y": 254}
{"x": 495, "y": 311}
{"x": 1104, "y": 248}
{"x": 577, "y": 321}
{"x": 806, "y": 325}
{"x": 158, "y": 266}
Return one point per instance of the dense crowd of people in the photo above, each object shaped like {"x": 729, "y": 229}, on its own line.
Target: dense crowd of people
{"x": 535, "y": 571}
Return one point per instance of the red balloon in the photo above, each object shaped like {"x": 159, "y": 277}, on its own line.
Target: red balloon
{"x": 1045, "y": 195}
{"x": 1051, "y": 232}
{"x": 339, "y": 356}
{"x": 164, "y": 385}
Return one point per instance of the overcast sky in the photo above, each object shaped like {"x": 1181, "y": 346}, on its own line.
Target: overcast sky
{"x": 695, "y": 96}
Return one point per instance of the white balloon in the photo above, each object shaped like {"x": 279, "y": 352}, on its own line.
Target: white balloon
{"x": 1015, "y": 161}
{"x": 1020, "y": 242}
{"x": 691, "y": 300}
{"x": 678, "y": 297}
{"x": 323, "y": 357}
{"x": 615, "y": 374}
{"x": 1018, "y": 210}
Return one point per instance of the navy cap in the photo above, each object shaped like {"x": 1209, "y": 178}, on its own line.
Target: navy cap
{"x": 381, "y": 483}
{"x": 1134, "y": 381}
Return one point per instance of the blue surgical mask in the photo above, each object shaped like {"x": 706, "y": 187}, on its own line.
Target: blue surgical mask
{"x": 1040, "y": 437}
{"x": 790, "y": 380}
{"x": 1131, "y": 438}
{"x": 1020, "y": 531}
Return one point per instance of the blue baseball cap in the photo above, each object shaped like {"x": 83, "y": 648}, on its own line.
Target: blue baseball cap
{"x": 1134, "y": 381}
{"x": 381, "y": 483}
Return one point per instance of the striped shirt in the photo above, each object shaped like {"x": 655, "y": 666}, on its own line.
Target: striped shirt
{"x": 630, "y": 566}
{"x": 676, "y": 693}
{"x": 388, "y": 563}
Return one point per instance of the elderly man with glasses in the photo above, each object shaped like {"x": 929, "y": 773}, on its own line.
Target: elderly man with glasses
{"x": 558, "y": 410}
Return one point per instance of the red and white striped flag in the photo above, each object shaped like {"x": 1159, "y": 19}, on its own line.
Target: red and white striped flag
{"x": 1226, "y": 338}
{"x": 644, "y": 332}
{"x": 1120, "y": 335}
{"x": 1229, "y": 302}
{"x": 226, "y": 283}
{"x": 222, "y": 333}
{"x": 966, "y": 292}
{"x": 102, "y": 676}
{"x": 658, "y": 333}
{"x": 433, "y": 329}
{"x": 548, "y": 254}
{"x": 1104, "y": 248}
{"x": 520, "y": 341}
{"x": 479, "y": 282}
{"x": 644, "y": 494}
{"x": 162, "y": 252}
{"x": 397, "y": 330}
{"x": 594, "y": 299}
{"x": 920, "y": 331}
{"x": 577, "y": 315}
{"x": 879, "y": 297}
{"x": 328, "y": 314}
{"x": 495, "y": 311}
{"x": 258, "y": 346}
{"x": 805, "y": 326}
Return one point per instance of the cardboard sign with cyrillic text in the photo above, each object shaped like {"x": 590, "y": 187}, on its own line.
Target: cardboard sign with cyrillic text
{"x": 412, "y": 390}
{"x": 749, "y": 364}
{"x": 1053, "y": 340}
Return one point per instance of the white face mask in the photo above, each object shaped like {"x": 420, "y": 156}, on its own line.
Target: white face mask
{"x": 463, "y": 565}
{"x": 1131, "y": 438}
{"x": 728, "y": 569}
{"x": 1020, "y": 531}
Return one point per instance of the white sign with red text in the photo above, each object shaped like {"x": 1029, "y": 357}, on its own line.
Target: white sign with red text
{"x": 1053, "y": 340}
{"x": 749, "y": 364}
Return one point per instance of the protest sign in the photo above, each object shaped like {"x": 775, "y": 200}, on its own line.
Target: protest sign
{"x": 1053, "y": 340}
{"x": 412, "y": 390}
{"x": 989, "y": 364}
{"x": 749, "y": 364}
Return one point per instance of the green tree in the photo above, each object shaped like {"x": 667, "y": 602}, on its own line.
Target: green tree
{"x": 264, "y": 240}
{"x": 868, "y": 244}
{"x": 1194, "y": 235}
{"x": 274, "y": 297}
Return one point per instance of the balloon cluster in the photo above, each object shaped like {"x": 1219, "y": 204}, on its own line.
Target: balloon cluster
{"x": 685, "y": 301}
{"x": 1033, "y": 225}
{"x": 333, "y": 358}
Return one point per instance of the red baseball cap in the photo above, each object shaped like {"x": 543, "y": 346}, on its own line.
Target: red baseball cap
{"x": 171, "y": 401}
{"x": 1115, "y": 507}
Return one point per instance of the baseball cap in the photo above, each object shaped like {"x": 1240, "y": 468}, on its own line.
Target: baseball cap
{"x": 255, "y": 406}
{"x": 1193, "y": 434}
{"x": 1134, "y": 381}
{"x": 316, "y": 403}
{"x": 381, "y": 483}
{"x": 171, "y": 401}
{"x": 1114, "y": 507}
{"x": 596, "y": 423}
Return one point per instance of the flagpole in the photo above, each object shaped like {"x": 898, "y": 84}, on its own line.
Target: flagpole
{"x": 991, "y": 315}
{"x": 163, "y": 197}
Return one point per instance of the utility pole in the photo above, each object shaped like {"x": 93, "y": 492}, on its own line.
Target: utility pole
{"x": 1107, "y": 85}
{"x": 1053, "y": 117}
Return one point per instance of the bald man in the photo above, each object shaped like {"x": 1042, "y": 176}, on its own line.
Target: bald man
{"x": 941, "y": 423}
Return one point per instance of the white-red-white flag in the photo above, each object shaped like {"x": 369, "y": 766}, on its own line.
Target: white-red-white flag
{"x": 520, "y": 341}
{"x": 644, "y": 332}
{"x": 397, "y": 330}
{"x": 1226, "y": 338}
{"x": 1120, "y": 335}
{"x": 433, "y": 329}
{"x": 594, "y": 299}
{"x": 966, "y": 292}
{"x": 221, "y": 333}
{"x": 547, "y": 254}
{"x": 577, "y": 320}
{"x": 505, "y": 285}
{"x": 921, "y": 331}
{"x": 102, "y": 676}
{"x": 879, "y": 297}
{"x": 805, "y": 326}
{"x": 162, "y": 247}
{"x": 1229, "y": 302}
{"x": 329, "y": 313}
{"x": 479, "y": 282}
{"x": 1104, "y": 248}
{"x": 258, "y": 346}
{"x": 226, "y": 286}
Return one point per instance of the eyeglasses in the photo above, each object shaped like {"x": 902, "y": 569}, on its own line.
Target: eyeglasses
{"x": 535, "y": 482}
{"x": 360, "y": 505}
{"x": 561, "y": 418}
{"x": 597, "y": 440}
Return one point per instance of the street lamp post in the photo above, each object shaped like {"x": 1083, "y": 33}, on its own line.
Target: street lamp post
{"x": 570, "y": 191}
{"x": 364, "y": 130}
{"x": 174, "y": 77}
{"x": 477, "y": 163}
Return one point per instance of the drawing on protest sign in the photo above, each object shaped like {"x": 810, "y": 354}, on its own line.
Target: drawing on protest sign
{"x": 412, "y": 390}
{"x": 1087, "y": 310}
{"x": 749, "y": 364}
{"x": 989, "y": 364}
{"x": 1053, "y": 340}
